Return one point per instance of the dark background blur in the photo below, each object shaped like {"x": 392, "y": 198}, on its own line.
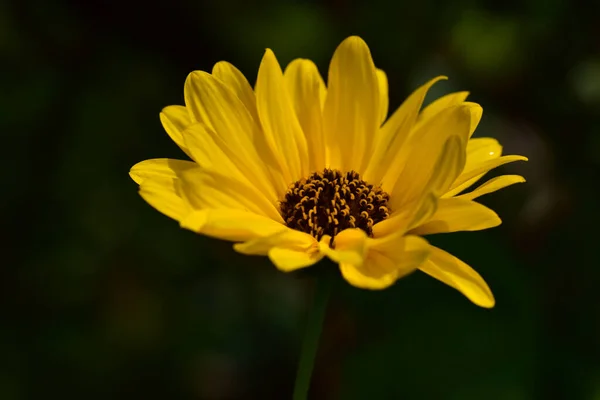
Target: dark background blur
{"x": 102, "y": 297}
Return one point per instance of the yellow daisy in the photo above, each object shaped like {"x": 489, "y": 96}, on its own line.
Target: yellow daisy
{"x": 298, "y": 170}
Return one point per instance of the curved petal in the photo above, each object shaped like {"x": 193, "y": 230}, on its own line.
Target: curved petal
{"x": 288, "y": 249}
{"x": 476, "y": 114}
{"x": 454, "y": 215}
{"x": 280, "y": 125}
{"x": 494, "y": 184}
{"x": 470, "y": 176}
{"x": 349, "y": 246}
{"x": 237, "y": 82}
{"x": 223, "y": 114}
{"x": 409, "y": 217}
{"x": 451, "y": 99}
{"x": 230, "y": 224}
{"x": 429, "y": 144}
{"x": 407, "y": 253}
{"x": 455, "y": 273}
{"x": 389, "y": 150}
{"x": 482, "y": 149}
{"x": 387, "y": 260}
{"x": 307, "y": 92}
{"x": 286, "y": 238}
{"x": 478, "y": 151}
{"x": 175, "y": 119}
{"x": 288, "y": 260}
{"x": 448, "y": 166}
{"x": 352, "y": 111}
{"x": 161, "y": 168}
{"x": 384, "y": 100}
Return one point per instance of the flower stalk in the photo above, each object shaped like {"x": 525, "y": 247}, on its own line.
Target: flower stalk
{"x": 310, "y": 342}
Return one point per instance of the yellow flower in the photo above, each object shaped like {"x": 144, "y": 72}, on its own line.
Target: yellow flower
{"x": 297, "y": 170}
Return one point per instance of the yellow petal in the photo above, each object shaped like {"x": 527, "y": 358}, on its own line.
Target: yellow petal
{"x": 478, "y": 151}
{"x": 350, "y": 246}
{"x": 238, "y": 162}
{"x": 207, "y": 189}
{"x": 443, "y": 102}
{"x": 384, "y": 100}
{"x": 280, "y": 125}
{"x": 408, "y": 217}
{"x": 386, "y": 262}
{"x": 406, "y": 252}
{"x": 232, "y": 225}
{"x": 389, "y": 143}
{"x": 159, "y": 181}
{"x": 471, "y": 175}
{"x": 213, "y": 103}
{"x": 429, "y": 144}
{"x": 289, "y": 260}
{"x": 352, "y": 111}
{"x": 288, "y": 249}
{"x": 223, "y": 114}
{"x": 449, "y": 165}
{"x": 159, "y": 168}
{"x": 175, "y": 119}
{"x": 494, "y": 184}
{"x": 482, "y": 149}
{"x": 237, "y": 82}
{"x": 378, "y": 274}
{"x": 454, "y": 215}
{"x": 307, "y": 91}
{"x": 476, "y": 114}
{"x": 455, "y": 273}
{"x": 164, "y": 195}
{"x": 286, "y": 238}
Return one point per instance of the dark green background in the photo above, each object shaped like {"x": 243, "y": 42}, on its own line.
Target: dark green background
{"x": 102, "y": 297}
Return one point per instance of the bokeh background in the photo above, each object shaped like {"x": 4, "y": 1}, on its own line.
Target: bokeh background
{"x": 102, "y": 297}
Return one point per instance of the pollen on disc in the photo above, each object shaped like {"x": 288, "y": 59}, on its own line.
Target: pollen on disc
{"x": 328, "y": 202}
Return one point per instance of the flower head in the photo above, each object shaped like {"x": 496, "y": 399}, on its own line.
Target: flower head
{"x": 298, "y": 170}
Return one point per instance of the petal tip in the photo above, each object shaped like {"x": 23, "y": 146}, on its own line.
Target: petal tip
{"x": 135, "y": 177}
{"x": 269, "y": 52}
{"x": 354, "y": 39}
{"x": 196, "y": 74}
{"x": 487, "y": 303}
{"x": 220, "y": 67}
{"x": 134, "y": 173}
{"x": 194, "y": 221}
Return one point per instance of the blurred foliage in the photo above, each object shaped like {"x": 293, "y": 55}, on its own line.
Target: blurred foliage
{"x": 103, "y": 297}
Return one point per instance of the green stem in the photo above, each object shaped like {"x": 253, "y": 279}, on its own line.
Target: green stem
{"x": 310, "y": 343}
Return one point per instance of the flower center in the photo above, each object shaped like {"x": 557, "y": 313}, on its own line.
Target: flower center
{"x": 328, "y": 202}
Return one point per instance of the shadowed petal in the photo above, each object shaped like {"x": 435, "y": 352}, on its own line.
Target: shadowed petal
{"x": 428, "y": 148}
{"x": 383, "y": 95}
{"x": 175, "y": 119}
{"x": 386, "y": 261}
{"x": 389, "y": 151}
